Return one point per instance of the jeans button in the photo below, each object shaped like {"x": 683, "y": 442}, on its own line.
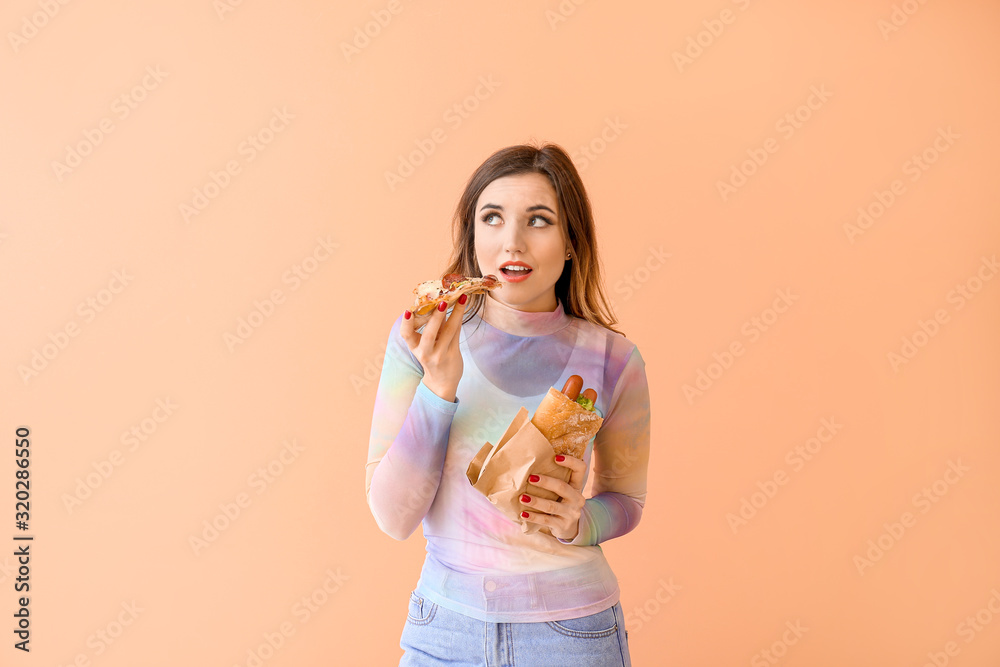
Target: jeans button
{"x": 491, "y": 586}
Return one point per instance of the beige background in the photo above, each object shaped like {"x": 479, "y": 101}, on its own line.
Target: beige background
{"x": 660, "y": 136}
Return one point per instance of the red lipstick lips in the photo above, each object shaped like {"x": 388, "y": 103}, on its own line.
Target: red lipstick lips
{"x": 515, "y": 275}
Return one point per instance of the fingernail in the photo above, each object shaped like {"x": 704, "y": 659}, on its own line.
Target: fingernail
{"x": 442, "y": 306}
{"x": 407, "y": 315}
{"x": 524, "y": 515}
{"x": 462, "y": 299}
{"x": 532, "y": 478}
{"x": 560, "y": 457}
{"x": 525, "y": 499}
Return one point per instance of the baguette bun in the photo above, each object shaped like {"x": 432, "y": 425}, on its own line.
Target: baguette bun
{"x": 566, "y": 424}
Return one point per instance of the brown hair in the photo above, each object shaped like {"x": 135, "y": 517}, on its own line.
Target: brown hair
{"x": 579, "y": 288}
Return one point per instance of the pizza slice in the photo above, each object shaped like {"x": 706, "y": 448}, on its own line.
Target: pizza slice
{"x": 448, "y": 289}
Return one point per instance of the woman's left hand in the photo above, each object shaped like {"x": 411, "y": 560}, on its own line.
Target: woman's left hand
{"x": 561, "y": 517}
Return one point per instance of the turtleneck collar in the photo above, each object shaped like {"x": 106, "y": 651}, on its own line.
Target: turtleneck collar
{"x": 521, "y": 323}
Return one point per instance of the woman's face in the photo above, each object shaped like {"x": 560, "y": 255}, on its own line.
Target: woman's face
{"x": 517, "y": 222}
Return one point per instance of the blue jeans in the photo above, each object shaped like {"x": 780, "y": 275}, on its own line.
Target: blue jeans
{"x": 434, "y": 635}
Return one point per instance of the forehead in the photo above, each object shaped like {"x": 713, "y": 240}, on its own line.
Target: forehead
{"x": 527, "y": 189}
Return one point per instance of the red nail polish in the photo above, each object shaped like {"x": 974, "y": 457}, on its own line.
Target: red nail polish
{"x": 560, "y": 457}
{"x": 525, "y": 499}
{"x": 407, "y": 315}
{"x": 462, "y": 299}
{"x": 524, "y": 515}
{"x": 442, "y": 306}
{"x": 533, "y": 478}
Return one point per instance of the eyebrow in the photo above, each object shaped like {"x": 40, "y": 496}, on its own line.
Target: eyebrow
{"x": 536, "y": 207}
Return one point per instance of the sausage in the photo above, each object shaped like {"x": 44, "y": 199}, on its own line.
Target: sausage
{"x": 450, "y": 279}
{"x": 591, "y": 394}
{"x": 573, "y": 386}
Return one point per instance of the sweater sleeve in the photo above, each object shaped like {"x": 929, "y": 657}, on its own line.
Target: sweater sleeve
{"x": 620, "y": 458}
{"x": 409, "y": 437}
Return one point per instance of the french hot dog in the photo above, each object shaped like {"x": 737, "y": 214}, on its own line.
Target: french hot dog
{"x": 567, "y": 419}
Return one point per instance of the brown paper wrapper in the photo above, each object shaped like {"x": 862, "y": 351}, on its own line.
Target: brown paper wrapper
{"x": 500, "y": 472}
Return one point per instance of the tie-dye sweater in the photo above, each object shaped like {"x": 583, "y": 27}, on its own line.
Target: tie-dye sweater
{"x": 478, "y": 561}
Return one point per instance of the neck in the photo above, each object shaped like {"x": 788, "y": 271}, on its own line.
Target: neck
{"x": 523, "y": 323}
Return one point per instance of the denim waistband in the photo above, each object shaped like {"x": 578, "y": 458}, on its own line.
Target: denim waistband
{"x": 570, "y": 592}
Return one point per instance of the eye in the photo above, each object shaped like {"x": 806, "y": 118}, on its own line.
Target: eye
{"x": 537, "y": 221}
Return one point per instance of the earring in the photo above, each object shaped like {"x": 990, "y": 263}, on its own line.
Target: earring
{"x": 568, "y": 255}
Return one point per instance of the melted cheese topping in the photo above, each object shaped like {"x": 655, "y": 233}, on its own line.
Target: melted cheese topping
{"x": 430, "y": 289}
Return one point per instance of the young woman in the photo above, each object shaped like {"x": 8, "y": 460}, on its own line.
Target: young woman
{"x": 488, "y": 593}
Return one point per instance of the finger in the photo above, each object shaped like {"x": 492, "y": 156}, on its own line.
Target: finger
{"x": 534, "y": 517}
{"x": 454, "y": 345}
{"x": 578, "y": 468}
{"x": 431, "y": 329}
{"x": 541, "y": 518}
{"x": 407, "y": 330}
{"x": 571, "y": 462}
{"x": 556, "y": 486}
{"x": 449, "y": 331}
{"x": 535, "y": 504}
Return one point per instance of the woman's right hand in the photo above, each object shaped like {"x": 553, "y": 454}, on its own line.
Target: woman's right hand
{"x": 437, "y": 348}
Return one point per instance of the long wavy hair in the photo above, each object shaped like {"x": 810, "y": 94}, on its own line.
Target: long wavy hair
{"x": 580, "y": 287}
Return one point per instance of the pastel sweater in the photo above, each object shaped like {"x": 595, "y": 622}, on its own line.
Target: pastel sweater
{"x": 478, "y": 561}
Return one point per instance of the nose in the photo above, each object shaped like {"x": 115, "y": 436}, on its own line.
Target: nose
{"x": 513, "y": 241}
